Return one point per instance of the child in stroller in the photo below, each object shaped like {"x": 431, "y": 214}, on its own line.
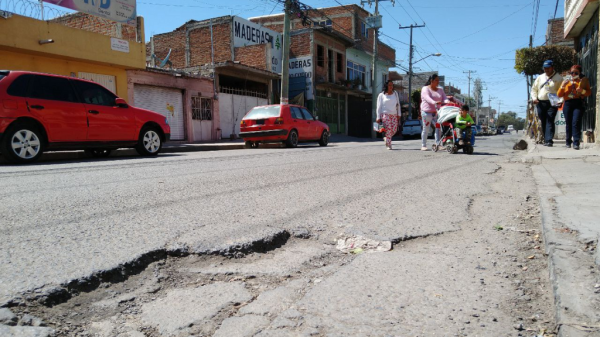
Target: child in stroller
{"x": 456, "y": 130}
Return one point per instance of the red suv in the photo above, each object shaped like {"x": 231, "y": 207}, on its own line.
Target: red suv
{"x": 40, "y": 112}
{"x": 285, "y": 123}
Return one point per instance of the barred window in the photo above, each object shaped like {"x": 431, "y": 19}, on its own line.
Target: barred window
{"x": 201, "y": 108}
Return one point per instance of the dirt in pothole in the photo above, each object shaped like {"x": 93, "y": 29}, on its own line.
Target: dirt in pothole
{"x": 87, "y": 313}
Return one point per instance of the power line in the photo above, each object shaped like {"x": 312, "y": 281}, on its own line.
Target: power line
{"x": 536, "y": 14}
{"x": 491, "y": 25}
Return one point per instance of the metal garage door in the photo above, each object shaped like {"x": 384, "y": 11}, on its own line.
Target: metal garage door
{"x": 167, "y": 102}
{"x": 107, "y": 81}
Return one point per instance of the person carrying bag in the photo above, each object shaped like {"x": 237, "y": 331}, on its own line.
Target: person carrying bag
{"x": 543, "y": 88}
{"x": 388, "y": 112}
{"x": 574, "y": 90}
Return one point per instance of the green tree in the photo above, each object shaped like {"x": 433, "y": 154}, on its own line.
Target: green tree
{"x": 510, "y": 118}
{"x": 529, "y": 61}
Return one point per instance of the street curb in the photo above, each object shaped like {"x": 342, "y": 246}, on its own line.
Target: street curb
{"x": 178, "y": 148}
{"x": 561, "y": 253}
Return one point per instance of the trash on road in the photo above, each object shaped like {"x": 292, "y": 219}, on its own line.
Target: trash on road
{"x": 355, "y": 244}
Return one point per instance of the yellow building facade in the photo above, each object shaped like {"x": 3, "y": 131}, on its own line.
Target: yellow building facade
{"x": 49, "y": 47}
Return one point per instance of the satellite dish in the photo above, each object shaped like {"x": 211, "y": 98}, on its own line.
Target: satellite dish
{"x": 166, "y": 60}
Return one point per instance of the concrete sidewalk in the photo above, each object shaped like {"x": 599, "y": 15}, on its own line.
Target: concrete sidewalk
{"x": 568, "y": 182}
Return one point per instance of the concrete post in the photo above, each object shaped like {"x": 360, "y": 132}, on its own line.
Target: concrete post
{"x": 285, "y": 70}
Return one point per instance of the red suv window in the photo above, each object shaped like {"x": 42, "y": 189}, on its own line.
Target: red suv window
{"x": 53, "y": 88}
{"x": 19, "y": 86}
{"x": 94, "y": 94}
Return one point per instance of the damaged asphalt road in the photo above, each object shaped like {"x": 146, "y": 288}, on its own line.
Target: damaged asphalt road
{"x": 127, "y": 246}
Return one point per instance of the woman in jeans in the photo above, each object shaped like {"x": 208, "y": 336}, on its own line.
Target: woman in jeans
{"x": 432, "y": 98}
{"x": 574, "y": 91}
{"x": 388, "y": 106}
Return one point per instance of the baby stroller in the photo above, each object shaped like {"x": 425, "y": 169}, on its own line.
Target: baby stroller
{"x": 451, "y": 136}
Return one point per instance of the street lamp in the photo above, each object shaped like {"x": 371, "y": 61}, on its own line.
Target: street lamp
{"x": 436, "y": 54}
{"x": 410, "y": 64}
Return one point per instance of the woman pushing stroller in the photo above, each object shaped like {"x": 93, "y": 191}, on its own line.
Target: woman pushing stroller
{"x": 432, "y": 98}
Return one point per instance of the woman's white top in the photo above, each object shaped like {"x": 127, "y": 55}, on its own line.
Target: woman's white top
{"x": 387, "y": 104}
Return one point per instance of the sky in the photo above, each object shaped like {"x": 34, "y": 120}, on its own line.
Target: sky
{"x": 476, "y": 35}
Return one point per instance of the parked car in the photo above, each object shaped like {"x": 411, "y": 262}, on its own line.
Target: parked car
{"x": 479, "y": 129}
{"x": 285, "y": 123}
{"x": 42, "y": 112}
{"x": 413, "y": 128}
{"x": 474, "y": 130}
{"x": 510, "y": 129}
{"x": 501, "y": 129}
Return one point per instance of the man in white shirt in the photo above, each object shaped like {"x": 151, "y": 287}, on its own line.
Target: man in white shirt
{"x": 547, "y": 83}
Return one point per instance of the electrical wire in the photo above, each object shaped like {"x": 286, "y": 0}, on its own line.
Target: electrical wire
{"x": 491, "y": 25}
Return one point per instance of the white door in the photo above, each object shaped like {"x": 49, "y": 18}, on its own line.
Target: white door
{"x": 107, "y": 81}
{"x": 232, "y": 109}
{"x": 167, "y": 102}
{"x": 202, "y": 118}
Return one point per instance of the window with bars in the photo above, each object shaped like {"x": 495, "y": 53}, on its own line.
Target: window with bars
{"x": 201, "y": 108}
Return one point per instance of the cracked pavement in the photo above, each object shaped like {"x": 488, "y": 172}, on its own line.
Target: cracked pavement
{"x": 73, "y": 224}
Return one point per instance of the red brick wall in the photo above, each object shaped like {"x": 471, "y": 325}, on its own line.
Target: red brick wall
{"x": 300, "y": 45}
{"x": 272, "y": 22}
{"x": 98, "y": 25}
{"x": 385, "y": 52}
{"x": 344, "y": 18}
{"x": 253, "y": 56}
{"x": 555, "y": 33}
{"x": 336, "y": 47}
{"x": 173, "y": 40}
{"x": 199, "y": 45}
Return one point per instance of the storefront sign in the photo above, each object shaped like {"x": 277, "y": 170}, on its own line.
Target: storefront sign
{"x": 246, "y": 33}
{"x": 302, "y": 66}
{"x": 119, "y": 45}
{"x": 122, "y": 11}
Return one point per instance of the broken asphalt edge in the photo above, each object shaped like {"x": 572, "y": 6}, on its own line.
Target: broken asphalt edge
{"x": 51, "y": 294}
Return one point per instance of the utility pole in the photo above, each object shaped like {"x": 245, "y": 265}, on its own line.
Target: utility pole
{"x": 285, "y": 67}
{"x": 469, "y": 72}
{"x": 410, "y": 64}
{"x": 376, "y": 23}
{"x": 499, "y": 104}
{"x": 490, "y": 98}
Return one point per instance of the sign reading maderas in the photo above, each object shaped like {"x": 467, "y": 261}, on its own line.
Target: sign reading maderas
{"x": 302, "y": 67}
{"x": 246, "y": 33}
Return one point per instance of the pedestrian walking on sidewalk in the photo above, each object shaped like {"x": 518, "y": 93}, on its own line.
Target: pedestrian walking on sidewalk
{"x": 544, "y": 94}
{"x": 432, "y": 98}
{"x": 388, "y": 111}
{"x": 574, "y": 90}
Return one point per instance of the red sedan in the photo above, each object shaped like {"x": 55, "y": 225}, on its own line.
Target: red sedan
{"x": 285, "y": 123}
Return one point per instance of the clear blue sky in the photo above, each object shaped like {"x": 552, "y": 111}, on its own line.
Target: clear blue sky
{"x": 471, "y": 34}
